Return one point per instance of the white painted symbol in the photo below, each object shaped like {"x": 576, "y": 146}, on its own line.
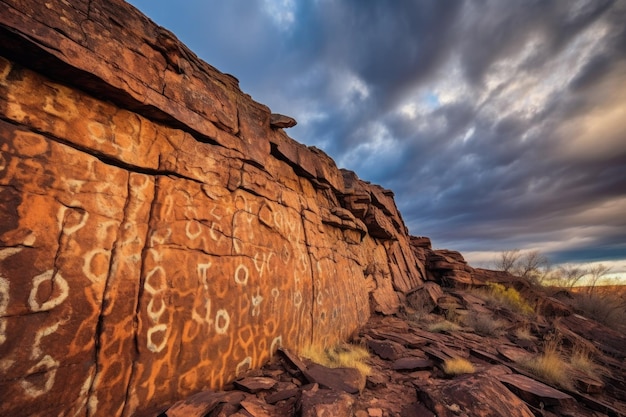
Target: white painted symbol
{"x": 50, "y": 367}
{"x": 276, "y": 343}
{"x": 256, "y": 302}
{"x": 4, "y": 304}
{"x": 88, "y": 267}
{"x": 59, "y": 283}
{"x": 202, "y": 274}
{"x": 193, "y": 235}
{"x": 156, "y": 329}
{"x": 241, "y": 275}
{"x": 222, "y": 321}
{"x": 297, "y": 299}
{"x": 82, "y": 221}
{"x": 41, "y": 333}
{"x": 243, "y": 366}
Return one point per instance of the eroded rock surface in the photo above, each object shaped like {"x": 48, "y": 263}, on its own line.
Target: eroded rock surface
{"x": 160, "y": 233}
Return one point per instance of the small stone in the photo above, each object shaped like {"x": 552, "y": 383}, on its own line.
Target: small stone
{"x": 412, "y": 364}
{"x": 374, "y": 412}
{"x": 281, "y": 395}
{"x": 255, "y": 384}
{"x": 325, "y": 402}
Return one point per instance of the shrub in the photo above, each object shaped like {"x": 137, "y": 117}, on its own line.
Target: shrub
{"x": 523, "y": 333}
{"x": 458, "y": 366}
{"x": 603, "y": 308}
{"x": 499, "y": 295}
{"x": 484, "y": 324}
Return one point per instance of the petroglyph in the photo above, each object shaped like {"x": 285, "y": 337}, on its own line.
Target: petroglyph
{"x": 190, "y": 232}
{"x": 241, "y": 275}
{"x": 256, "y": 302}
{"x": 263, "y": 265}
{"x": 41, "y": 333}
{"x": 46, "y": 367}
{"x": 222, "y": 321}
{"x": 58, "y": 295}
{"x": 143, "y": 231}
{"x": 76, "y": 219}
{"x": 95, "y": 265}
{"x": 4, "y": 304}
{"x": 243, "y": 366}
{"x": 157, "y": 347}
{"x": 202, "y": 270}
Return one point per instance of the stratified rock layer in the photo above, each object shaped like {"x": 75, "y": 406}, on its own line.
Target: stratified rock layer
{"x": 158, "y": 236}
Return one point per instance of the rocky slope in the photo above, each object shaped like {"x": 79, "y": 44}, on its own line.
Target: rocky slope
{"x": 160, "y": 234}
{"x": 409, "y": 351}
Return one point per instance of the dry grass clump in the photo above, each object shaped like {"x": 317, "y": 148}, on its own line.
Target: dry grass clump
{"x": 458, "y": 366}
{"x": 581, "y": 360}
{"x": 484, "y": 324}
{"x": 443, "y": 326}
{"x": 341, "y": 356}
{"x": 499, "y": 295}
{"x": 523, "y": 333}
{"x": 550, "y": 366}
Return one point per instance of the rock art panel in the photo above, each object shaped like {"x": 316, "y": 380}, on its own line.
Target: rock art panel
{"x": 158, "y": 235}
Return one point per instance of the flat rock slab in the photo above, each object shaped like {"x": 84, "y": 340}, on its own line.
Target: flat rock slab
{"x": 281, "y": 395}
{"x": 534, "y": 392}
{"x": 407, "y": 339}
{"x": 477, "y": 395}
{"x": 341, "y": 379}
{"x": 412, "y": 364}
{"x": 202, "y": 403}
{"x": 258, "y": 408}
{"x": 323, "y": 402}
{"x": 255, "y": 384}
{"x": 385, "y": 349}
{"x": 513, "y": 354}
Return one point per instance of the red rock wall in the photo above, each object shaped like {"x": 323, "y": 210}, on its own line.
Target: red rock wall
{"x": 157, "y": 236}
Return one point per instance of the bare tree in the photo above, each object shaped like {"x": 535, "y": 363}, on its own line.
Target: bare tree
{"x": 571, "y": 274}
{"x": 532, "y": 265}
{"x": 507, "y": 260}
{"x": 596, "y": 273}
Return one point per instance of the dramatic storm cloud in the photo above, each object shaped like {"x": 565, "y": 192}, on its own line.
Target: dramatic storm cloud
{"x": 498, "y": 124}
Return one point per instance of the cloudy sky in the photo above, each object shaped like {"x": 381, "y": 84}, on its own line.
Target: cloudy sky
{"x": 498, "y": 124}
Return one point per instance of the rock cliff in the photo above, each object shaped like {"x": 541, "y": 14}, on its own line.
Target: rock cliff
{"x": 160, "y": 232}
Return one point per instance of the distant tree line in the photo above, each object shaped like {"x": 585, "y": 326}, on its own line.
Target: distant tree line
{"x": 536, "y": 268}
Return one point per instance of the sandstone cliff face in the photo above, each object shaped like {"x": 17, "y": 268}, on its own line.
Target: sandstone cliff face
{"x": 157, "y": 235}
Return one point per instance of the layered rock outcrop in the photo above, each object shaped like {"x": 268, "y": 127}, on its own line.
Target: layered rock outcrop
{"x": 159, "y": 233}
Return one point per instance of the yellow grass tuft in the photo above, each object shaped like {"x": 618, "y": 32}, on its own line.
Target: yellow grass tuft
{"x": 443, "y": 326}
{"x": 458, "y": 366}
{"x": 341, "y": 356}
{"x": 508, "y": 297}
{"x": 523, "y": 333}
{"x": 582, "y": 361}
{"x": 550, "y": 366}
